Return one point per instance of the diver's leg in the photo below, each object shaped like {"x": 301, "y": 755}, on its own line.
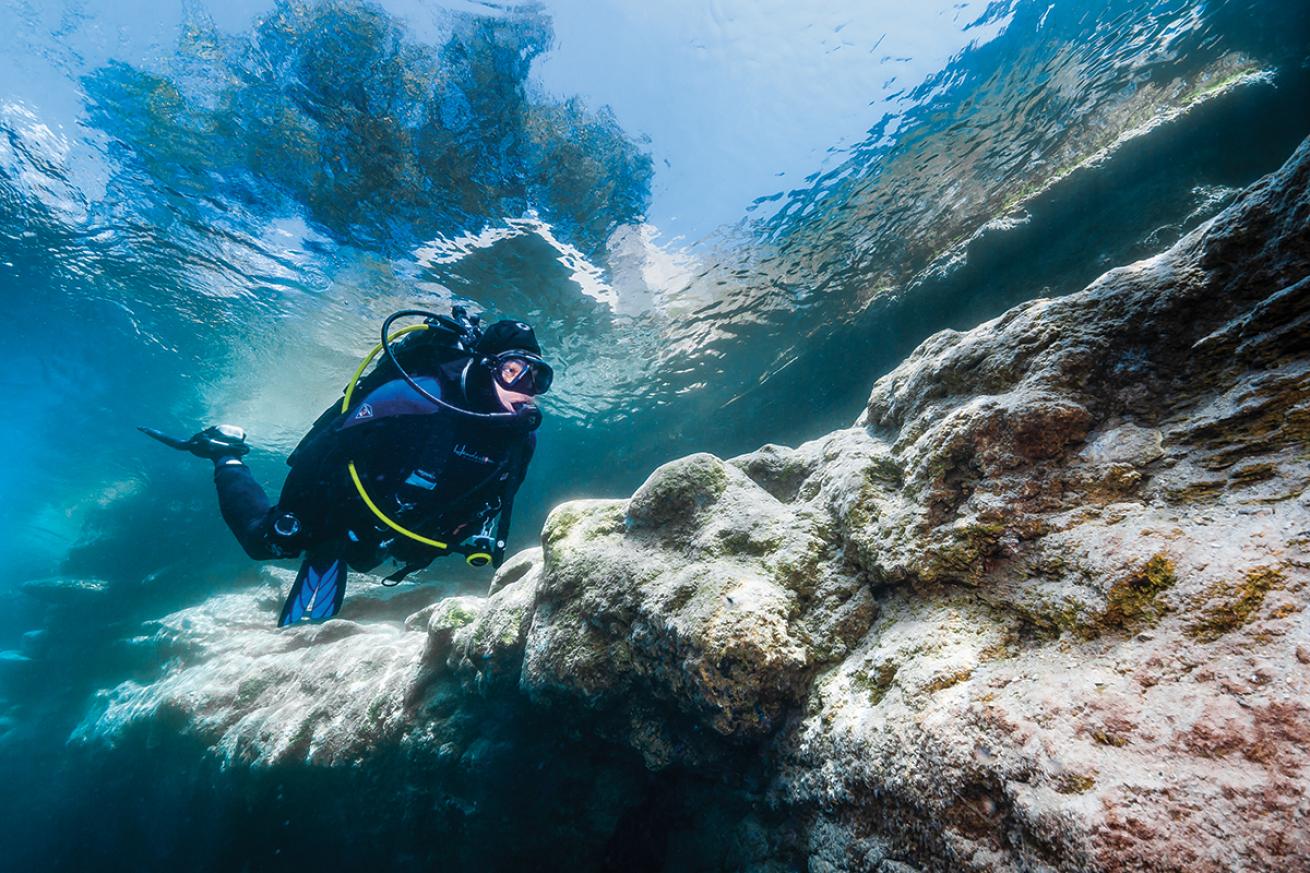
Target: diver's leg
{"x": 245, "y": 508}
{"x": 262, "y": 530}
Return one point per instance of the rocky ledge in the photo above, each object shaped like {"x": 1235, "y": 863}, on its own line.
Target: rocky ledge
{"x": 1041, "y": 608}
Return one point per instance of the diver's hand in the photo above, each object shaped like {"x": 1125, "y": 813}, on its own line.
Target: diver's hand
{"x": 214, "y": 443}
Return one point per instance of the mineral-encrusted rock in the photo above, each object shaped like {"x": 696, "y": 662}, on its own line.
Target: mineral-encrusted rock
{"x": 1092, "y": 655}
{"x": 398, "y": 740}
{"x": 1043, "y": 607}
{"x": 67, "y": 591}
{"x": 322, "y": 694}
{"x": 704, "y": 599}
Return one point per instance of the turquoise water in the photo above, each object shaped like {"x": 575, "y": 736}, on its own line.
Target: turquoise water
{"x": 725, "y": 219}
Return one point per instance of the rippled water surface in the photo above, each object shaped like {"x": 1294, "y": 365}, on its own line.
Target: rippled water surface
{"x": 725, "y": 218}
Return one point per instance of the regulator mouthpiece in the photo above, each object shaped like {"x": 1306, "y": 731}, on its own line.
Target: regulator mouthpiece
{"x": 528, "y": 414}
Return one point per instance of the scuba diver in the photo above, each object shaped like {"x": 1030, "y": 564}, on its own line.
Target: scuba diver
{"x": 419, "y": 459}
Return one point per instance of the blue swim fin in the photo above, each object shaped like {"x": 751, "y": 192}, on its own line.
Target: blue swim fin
{"x": 317, "y": 593}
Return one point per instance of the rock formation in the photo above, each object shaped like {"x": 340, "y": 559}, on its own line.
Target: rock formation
{"x": 1041, "y": 608}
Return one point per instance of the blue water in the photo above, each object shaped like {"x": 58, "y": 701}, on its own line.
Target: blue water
{"x": 725, "y": 221}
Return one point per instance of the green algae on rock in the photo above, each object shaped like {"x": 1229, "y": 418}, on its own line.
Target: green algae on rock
{"x": 1134, "y": 600}
{"x": 1224, "y": 609}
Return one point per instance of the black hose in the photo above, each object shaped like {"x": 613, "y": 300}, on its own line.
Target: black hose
{"x": 528, "y": 419}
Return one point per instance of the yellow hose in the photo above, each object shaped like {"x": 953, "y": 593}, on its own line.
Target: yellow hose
{"x": 354, "y": 475}
{"x": 359, "y": 486}
{"x": 368, "y": 359}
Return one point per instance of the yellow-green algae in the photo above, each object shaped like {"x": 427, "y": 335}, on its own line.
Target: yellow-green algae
{"x": 1106, "y": 738}
{"x": 1074, "y": 783}
{"x": 946, "y": 680}
{"x": 877, "y": 683}
{"x": 1221, "y": 616}
{"x": 1135, "y": 599}
{"x": 456, "y": 617}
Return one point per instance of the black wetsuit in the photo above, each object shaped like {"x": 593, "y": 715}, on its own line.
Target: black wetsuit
{"x": 432, "y": 471}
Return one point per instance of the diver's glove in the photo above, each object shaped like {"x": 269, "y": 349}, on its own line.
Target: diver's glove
{"x": 222, "y": 441}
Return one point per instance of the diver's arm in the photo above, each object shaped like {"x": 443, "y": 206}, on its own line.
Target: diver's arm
{"x": 507, "y": 501}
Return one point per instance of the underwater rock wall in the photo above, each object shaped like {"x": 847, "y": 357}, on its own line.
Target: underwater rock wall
{"x": 1042, "y": 607}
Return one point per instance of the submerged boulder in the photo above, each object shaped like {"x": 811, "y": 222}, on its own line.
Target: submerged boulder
{"x": 1042, "y": 607}
{"x": 715, "y": 619}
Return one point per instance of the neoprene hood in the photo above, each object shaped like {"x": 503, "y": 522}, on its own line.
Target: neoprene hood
{"x": 506, "y": 335}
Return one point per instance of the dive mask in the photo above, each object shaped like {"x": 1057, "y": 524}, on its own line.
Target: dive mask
{"x": 522, "y": 371}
